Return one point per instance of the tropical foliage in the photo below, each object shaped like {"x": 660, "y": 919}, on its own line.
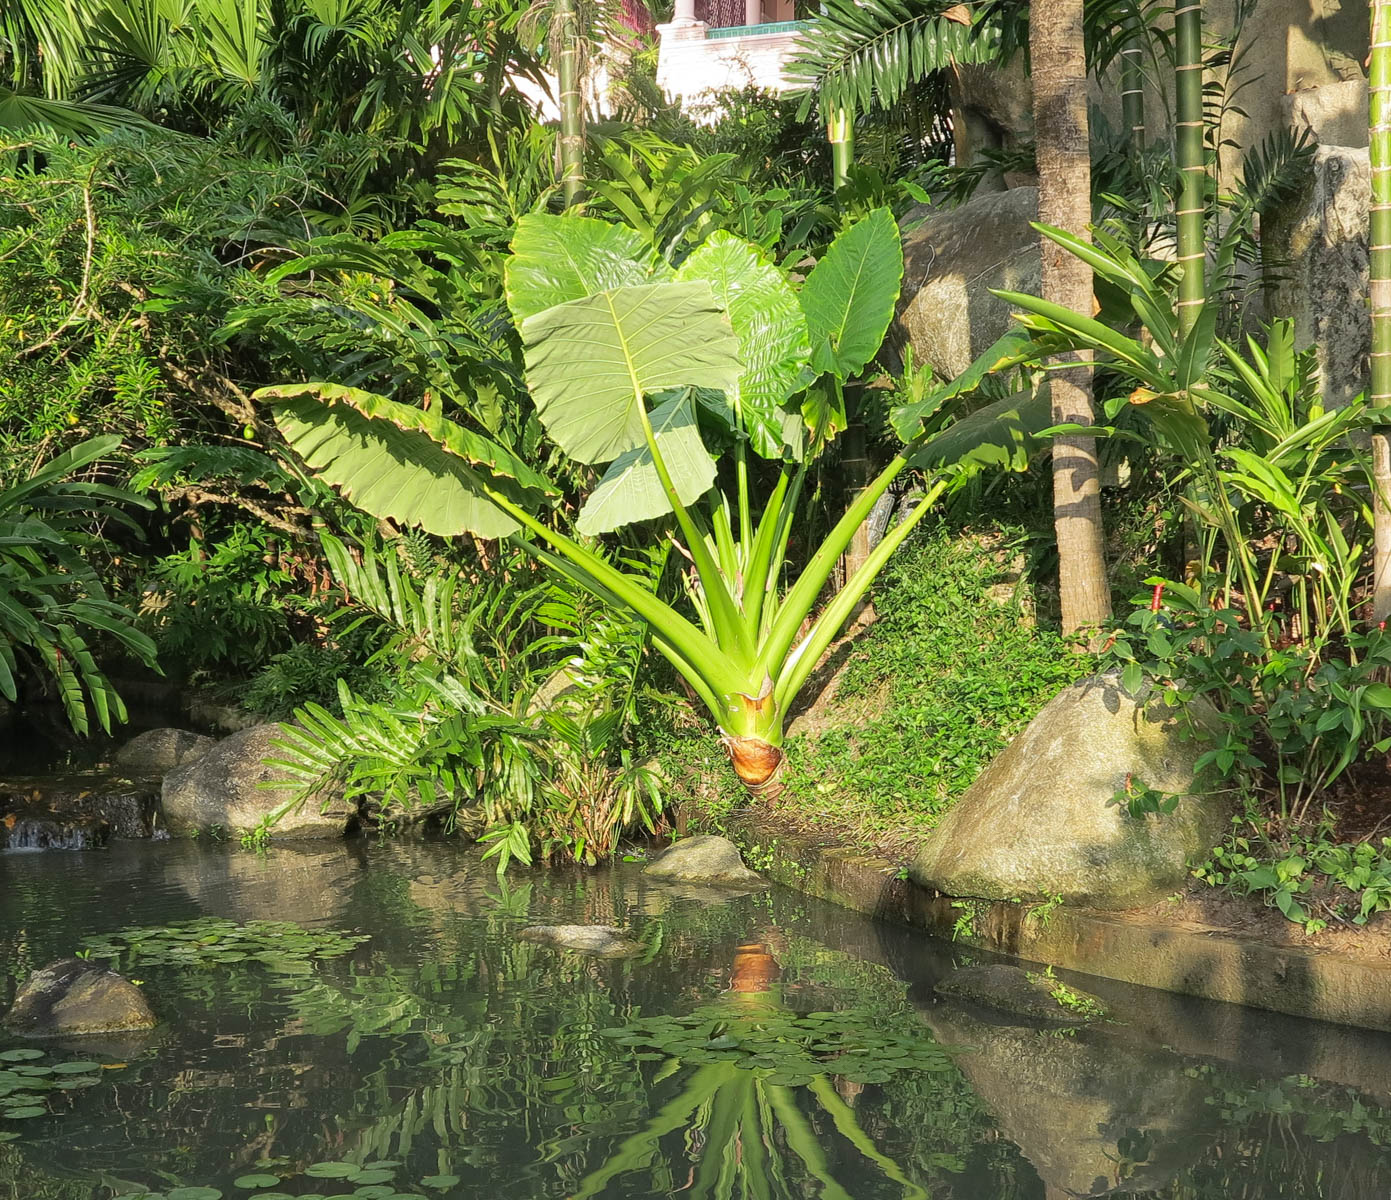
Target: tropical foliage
{"x": 53, "y": 604}
{"x": 723, "y": 341}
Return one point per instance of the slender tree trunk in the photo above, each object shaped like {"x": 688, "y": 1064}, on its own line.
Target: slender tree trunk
{"x": 1133, "y": 82}
{"x": 1188, "y": 45}
{"x": 840, "y": 132}
{"x": 1064, "y": 199}
{"x": 1192, "y": 202}
{"x": 571, "y": 101}
{"x": 1381, "y": 302}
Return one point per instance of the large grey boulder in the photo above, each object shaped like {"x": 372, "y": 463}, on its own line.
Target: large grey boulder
{"x": 1318, "y": 244}
{"x": 1037, "y": 822}
{"x": 704, "y": 859}
{"x": 73, "y": 996}
{"x": 953, "y": 257}
{"x": 597, "y": 941}
{"x": 223, "y": 790}
{"x": 156, "y": 752}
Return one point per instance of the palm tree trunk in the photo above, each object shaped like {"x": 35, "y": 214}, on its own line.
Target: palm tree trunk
{"x": 1188, "y": 44}
{"x": 1064, "y": 199}
{"x": 571, "y": 102}
{"x": 1381, "y": 302}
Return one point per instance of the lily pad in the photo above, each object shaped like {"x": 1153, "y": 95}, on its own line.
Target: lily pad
{"x": 21, "y": 1114}
{"x": 21, "y": 1055}
{"x": 256, "y": 1181}
{"x": 76, "y": 1068}
{"x": 332, "y": 1170}
{"x": 194, "y": 1193}
{"x": 439, "y": 1183}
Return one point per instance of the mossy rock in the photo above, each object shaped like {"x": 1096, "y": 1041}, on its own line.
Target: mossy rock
{"x": 73, "y": 996}
{"x": 1039, "y": 822}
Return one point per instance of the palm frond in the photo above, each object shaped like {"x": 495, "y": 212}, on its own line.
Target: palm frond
{"x": 857, "y": 53}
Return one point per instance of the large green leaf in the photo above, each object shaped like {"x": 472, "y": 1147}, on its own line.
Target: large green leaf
{"x": 767, "y": 319}
{"x": 631, "y": 491}
{"x": 590, "y": 362}
{"x": 849, "y": 296}
{"x": 399, "y": 462}
{"x": 1014, "y": 348}
{"x": 1003, "y": 434}
{"x": 558, "y": 259}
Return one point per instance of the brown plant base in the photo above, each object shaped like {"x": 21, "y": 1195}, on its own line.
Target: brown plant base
{"x": 757, "y": 763}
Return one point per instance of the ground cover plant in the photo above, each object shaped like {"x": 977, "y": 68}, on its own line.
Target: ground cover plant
{"x": 955, "y": 663}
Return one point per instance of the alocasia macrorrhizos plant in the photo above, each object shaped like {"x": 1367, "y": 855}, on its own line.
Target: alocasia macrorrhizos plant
{"x": 656, "y": 372}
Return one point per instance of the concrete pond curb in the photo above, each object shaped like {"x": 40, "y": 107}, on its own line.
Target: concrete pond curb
{"x": 1131, "y": 947}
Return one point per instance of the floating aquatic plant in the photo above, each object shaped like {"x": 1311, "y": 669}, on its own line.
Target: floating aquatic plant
{"x": 27, "y": 1081}
{"x": 281, "y": 946}
{"x": 368, "y": 1181}
{"x": 784, "y": 1047}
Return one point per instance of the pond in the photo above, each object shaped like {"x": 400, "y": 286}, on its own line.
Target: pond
{"x": 400, "y": 1040}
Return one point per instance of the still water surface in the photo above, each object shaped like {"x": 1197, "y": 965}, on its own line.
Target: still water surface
{"x": 443, "y": 1056}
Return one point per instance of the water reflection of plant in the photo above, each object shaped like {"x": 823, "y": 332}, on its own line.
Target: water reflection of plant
{"x": 741, "y": 1107}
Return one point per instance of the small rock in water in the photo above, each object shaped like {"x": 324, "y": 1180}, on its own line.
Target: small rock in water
{"x": 74, "y": 996}
{"x": 1026, "y": 994}
{"x": 601, "y": 941}
{"x": 704, "y": 859}
{"x": 49, "y": 831}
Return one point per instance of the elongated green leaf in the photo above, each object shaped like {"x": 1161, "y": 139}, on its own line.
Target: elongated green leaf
{"x": 1003, "y": 434}
{"x": 1014, "y": 348}
{"x": 1196, "y": 351}
{"x": 558, "y": 259}
{"x": 399, "y": 462}
{"x": 20, "y": 112}
{"x": 772, "y": 331}
{"x": 1085, "y": 333}
{"x": 631, "y": 491}
{"x": 590, "y": 362}
{"x": 850, "y": 294}
{"x": 859, "y": 53}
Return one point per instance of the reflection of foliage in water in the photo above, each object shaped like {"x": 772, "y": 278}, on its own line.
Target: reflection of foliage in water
{"x": 454, "y": 1049}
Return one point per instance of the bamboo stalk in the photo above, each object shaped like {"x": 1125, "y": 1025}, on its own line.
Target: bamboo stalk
{"x": 1380, "y": 394}
{"x": 1133, "y": 85}
{"x": 840, "y": 132}
{"x": 571, "y": 147}
{"x": 1188, "y": 44}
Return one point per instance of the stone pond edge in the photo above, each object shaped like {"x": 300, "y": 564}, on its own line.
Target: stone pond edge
{"x": 1130, "y": 947}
